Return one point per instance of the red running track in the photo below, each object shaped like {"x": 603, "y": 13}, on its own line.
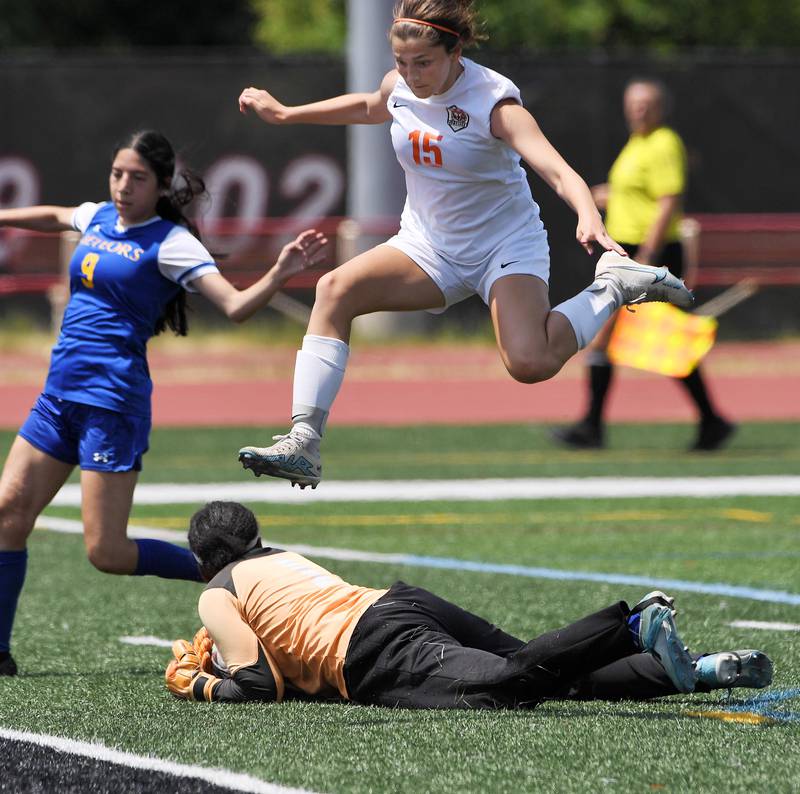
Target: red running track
{"x": 417, "y": 385}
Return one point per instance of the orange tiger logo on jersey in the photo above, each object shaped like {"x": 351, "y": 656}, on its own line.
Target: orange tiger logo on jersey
{"x": 457, "y": 119}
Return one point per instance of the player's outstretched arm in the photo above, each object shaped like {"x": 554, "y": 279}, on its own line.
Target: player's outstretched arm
{"x": 44, "y": 218}
{"x": 305, "y": 251}
{"x": 365, "y": 108}
{"x": 513, "y": 124}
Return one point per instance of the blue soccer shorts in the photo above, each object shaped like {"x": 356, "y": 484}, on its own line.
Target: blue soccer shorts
{"x": 96, "y": 439}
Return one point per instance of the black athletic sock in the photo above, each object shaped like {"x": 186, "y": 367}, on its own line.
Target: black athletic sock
{"x": 693, "y": 383}
{"x": 599, "y": 383}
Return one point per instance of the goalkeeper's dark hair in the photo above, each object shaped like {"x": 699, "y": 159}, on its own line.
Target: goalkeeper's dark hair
{"x": 220, "y": 533}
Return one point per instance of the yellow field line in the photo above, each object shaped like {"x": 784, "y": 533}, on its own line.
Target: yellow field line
{"x": 489, "y": 519}
{"x": 743, "y": 717}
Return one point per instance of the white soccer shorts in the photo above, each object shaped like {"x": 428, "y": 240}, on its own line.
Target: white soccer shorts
{"x": 525, "y": 252}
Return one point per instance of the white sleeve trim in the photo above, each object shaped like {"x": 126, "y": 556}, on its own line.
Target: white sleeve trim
{"x": 182, "y": 258}
{"x": 83, "y": 214}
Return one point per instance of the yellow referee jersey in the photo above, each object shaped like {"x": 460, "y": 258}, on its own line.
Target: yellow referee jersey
{"x": 648, "y": 168}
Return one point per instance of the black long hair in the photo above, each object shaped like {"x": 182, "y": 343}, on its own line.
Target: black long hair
{"x": 220, "y": 533}
{"x": 180, "y": 190}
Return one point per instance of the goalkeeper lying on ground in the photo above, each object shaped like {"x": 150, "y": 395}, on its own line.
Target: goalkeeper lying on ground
{"x": 282, "y": 624}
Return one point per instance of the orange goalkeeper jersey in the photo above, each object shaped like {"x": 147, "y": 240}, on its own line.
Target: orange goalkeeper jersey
{"x": 300, "y": 614}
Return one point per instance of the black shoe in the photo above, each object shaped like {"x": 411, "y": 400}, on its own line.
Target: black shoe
{"x": 7, "y": 665}
{"x": 582, "y": 435}
{"x": 713, "y": 434}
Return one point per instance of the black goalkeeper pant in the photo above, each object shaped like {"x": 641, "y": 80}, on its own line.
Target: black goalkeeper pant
{"x": 412, "y": 649}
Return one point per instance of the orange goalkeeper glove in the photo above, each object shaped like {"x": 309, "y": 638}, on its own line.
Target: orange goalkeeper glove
{"x": 185, "y": 675}
{"x": 203, "y": 645}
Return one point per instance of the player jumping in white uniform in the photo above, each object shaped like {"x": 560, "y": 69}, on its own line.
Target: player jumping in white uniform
{"x": 470, "y": 225}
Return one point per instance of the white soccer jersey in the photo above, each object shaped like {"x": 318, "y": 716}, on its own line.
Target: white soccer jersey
{"x": 466, "y": 189}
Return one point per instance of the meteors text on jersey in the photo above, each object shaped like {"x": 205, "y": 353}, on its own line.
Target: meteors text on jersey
{"x": 127, "y": 250}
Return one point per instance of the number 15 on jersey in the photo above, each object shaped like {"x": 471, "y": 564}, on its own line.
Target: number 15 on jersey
{"x": 426, "y": 152}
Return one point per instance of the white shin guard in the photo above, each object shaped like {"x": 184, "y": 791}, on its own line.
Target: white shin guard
{"x": 318, "y": 374}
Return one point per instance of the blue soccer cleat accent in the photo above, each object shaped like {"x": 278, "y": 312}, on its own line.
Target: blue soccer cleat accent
{"x": 657, "y": 635}
{"x": 729, "y": 669}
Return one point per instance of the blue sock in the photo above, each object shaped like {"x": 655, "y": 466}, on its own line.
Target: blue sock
{"x": 158, "y": 558}
{"x": 12, "y": 575}
{"x": 633, "y": 628}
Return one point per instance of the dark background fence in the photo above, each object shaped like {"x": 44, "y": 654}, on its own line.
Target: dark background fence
{"x": 739, "y": 118}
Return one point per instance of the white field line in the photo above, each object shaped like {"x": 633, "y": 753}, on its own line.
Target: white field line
{"x": 448, "y": 563}
{"x": 72, "y": 526}
{"x": 766, "y": 625}
{"x": 146, "y": 640}
{"x": 454, "y": 490}
{"x": 219, "y": 777}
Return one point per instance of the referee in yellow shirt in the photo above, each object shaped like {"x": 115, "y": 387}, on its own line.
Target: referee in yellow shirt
{"x": 642, "y": 200}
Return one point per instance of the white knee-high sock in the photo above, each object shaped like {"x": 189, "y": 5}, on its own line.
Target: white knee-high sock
{"x": 318, "y": 374}
{"x": 588, "y": 310}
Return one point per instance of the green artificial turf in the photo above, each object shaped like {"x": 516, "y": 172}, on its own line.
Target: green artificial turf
{"x": 425, "y": 451}
{"x": 78, "y": 680}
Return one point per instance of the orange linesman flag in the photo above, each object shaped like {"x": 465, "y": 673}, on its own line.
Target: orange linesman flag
{"x": 659, "y": 337}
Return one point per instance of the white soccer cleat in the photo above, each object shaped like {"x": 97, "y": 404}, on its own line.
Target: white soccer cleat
{"x": 642, "y": 283}
{"x": 296, "y": 457}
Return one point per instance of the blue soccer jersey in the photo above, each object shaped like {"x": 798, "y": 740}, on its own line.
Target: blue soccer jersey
{"x": 121, "y": 280}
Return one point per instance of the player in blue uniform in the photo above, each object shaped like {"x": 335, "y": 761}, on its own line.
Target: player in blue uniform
{"x": 137, "y": 257}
